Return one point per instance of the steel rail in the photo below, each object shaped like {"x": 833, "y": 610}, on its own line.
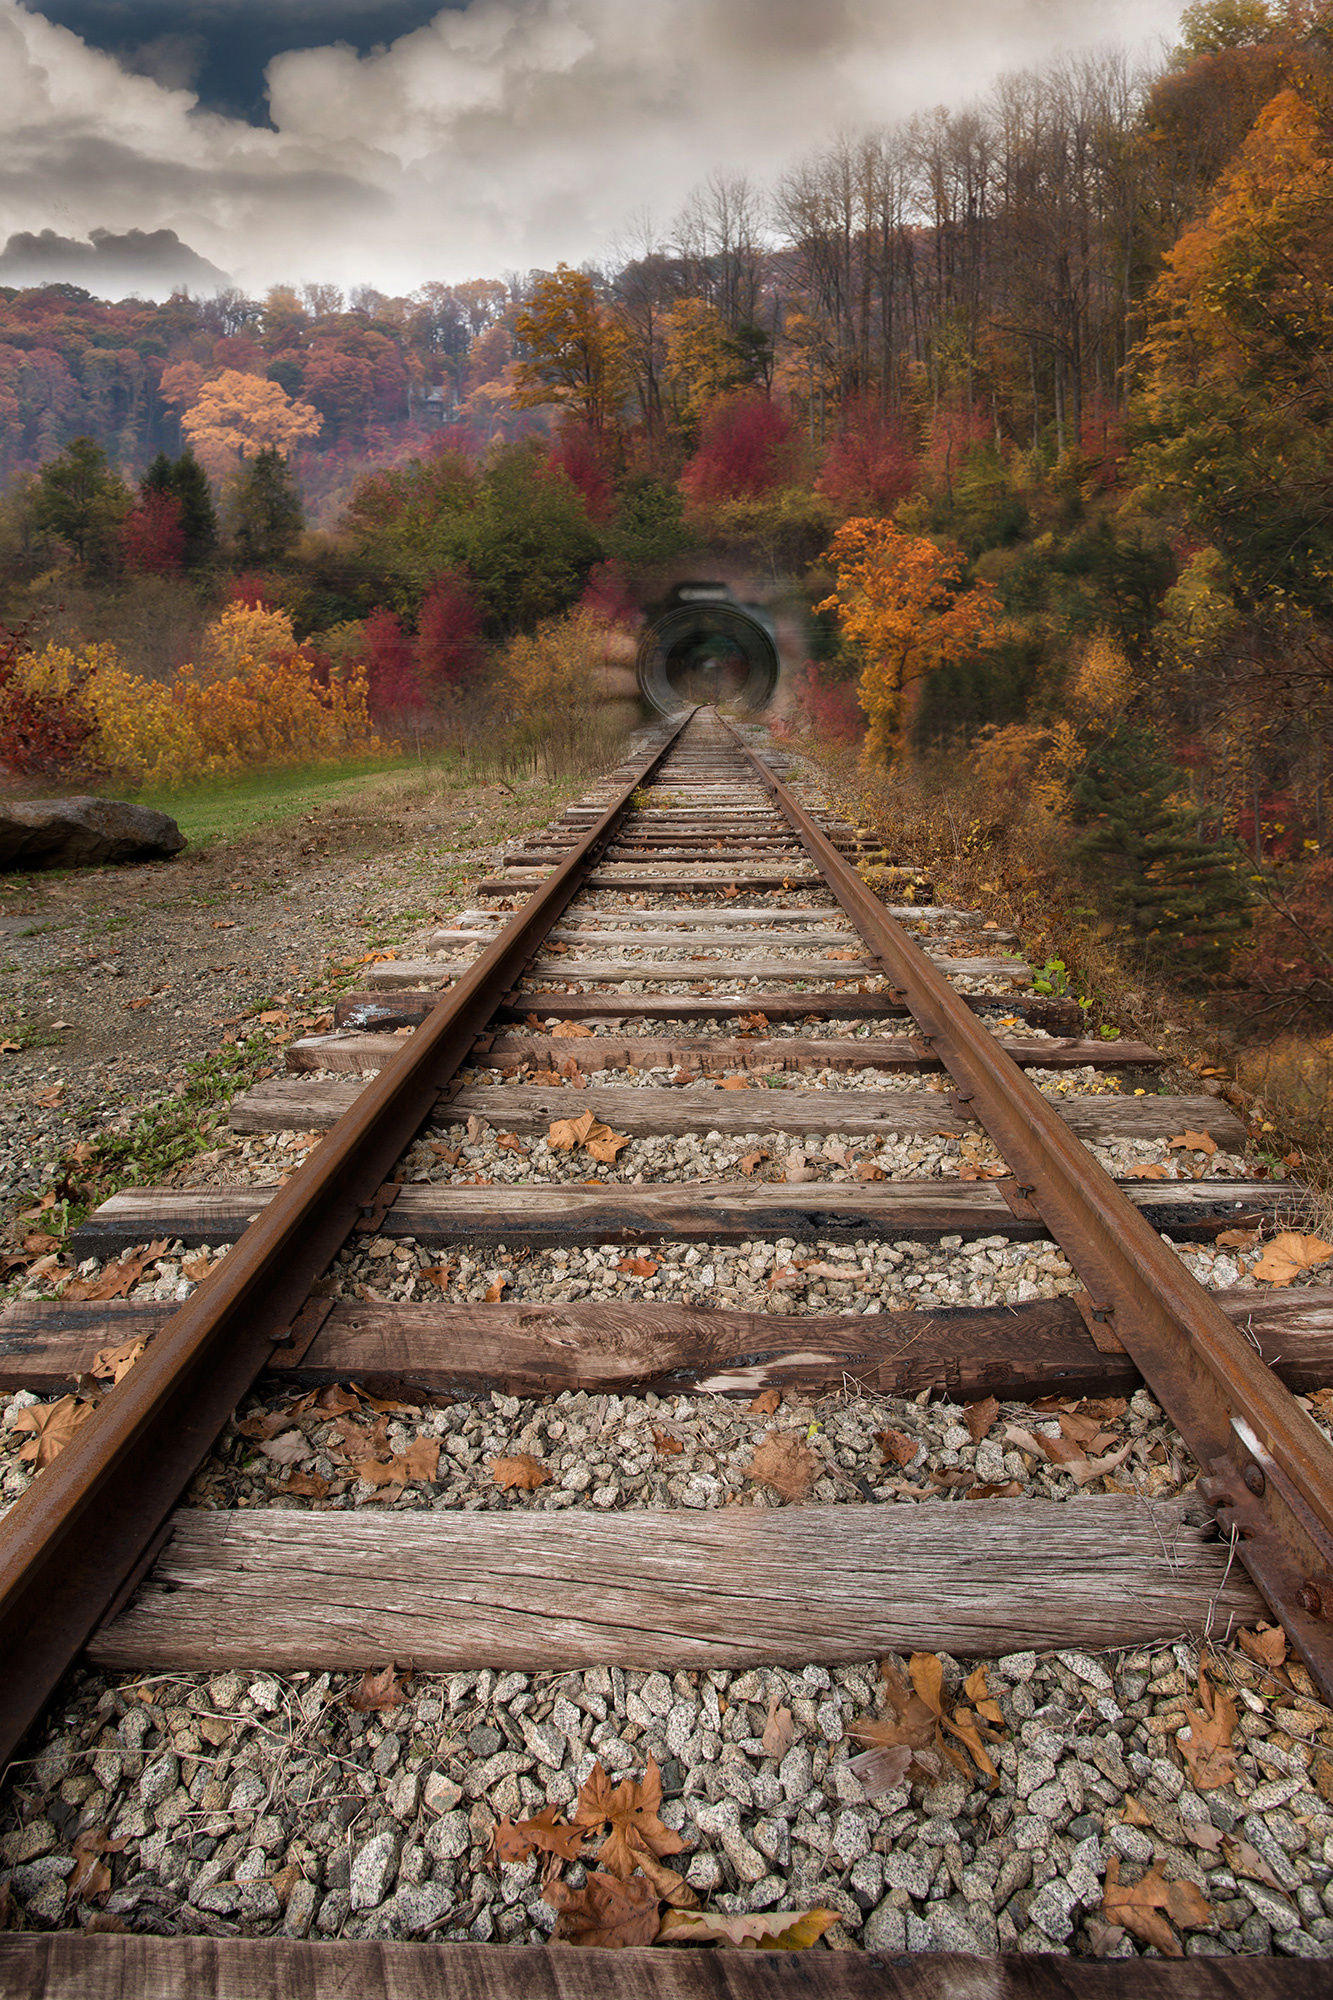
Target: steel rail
{"x": 1267, "y": 1468}
{"x": 74, "y": 1545}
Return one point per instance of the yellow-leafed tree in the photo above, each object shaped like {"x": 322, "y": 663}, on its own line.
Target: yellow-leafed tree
{"x": 570, "y": 352}
{"x": 235, "y": 415}
{"x": 903, "y": 603}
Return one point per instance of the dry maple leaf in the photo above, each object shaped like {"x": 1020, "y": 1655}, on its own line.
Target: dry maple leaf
{"x": 53, "y": 1426}
{"x": 902, "y": 1743}
{"x": 666, "y": 1444}
{"x": 517, "y": 1840}
{"x": 781, "y": 1461}
{"x": 378, "y": 1688}
{"x": 1138, "y": 1905}
{"x": 566, "y": 1133}
{"x": 766, "y": 1930}
{"x": 1192, "y": 1142}
{"x": 110, "y": 1363}
{"x": 749, "y": 1161}
{"x": 979, "y": 1418}
{"x": 765, "y": 1403}
{"x": 1206, "y": 1744}
{"x": 638, "y": 1267}
{"x": 1288, "y": 1255}
{"x": 778, "y": 1730}
{"x": 606, "y": 1913}
{"x": 604, "y": 1144}
{"x": 439, "y": 1274}
{"x": 636, "y": 1837}
{"x": 522, "y": 1474}
{"x": 1237, "y": 1239}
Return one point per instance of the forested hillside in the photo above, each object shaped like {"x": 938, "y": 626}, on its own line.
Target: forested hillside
{"x": 1027, "y": 402}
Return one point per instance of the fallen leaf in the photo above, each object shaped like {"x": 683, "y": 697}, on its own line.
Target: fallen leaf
{"x": 509, "y": 1142}
{"x": 1010, "y": 1489}
{"x": 307, "y": 1485}
{"x": 53, "y": 1426}
{"x": 377, "y": 1689}
{"x": 1153, "y": 1173}
{"x": 118, "y": 1279}
{"x": 1137, "y": 1906}
{"x": 1288, "y": 1255}
{"x": 522, "y": 1474}
{"x": 734, "y": 1083}
{"x": 517, "y": 1840}
{"x": 977, "y": 1689}
{"x": 1192, "y": 1142}
{"x": 766, "y": 1930}
{"x": 50, "y": 1097}
{"x": 90, "y": 1878}
{"x": 749, "y": 1161}
{"x": 606, "y": 1913}
{"x": 562, "y": 1029}
{"x": 779, "y": 1730}
{"x": 638, "y": 1267}
{"x": 439, "y": 1274}
{"x": 418, "y": 1464}
{"x": 636, "y": 1837}
{"x": 669, "y": 1446}
{"x": 287, "y": 1449}
{"x": 979, "y": 1417}
{"x": 898, "y": 1446}
{"x": 781, "y": 1461}
{"x": 866, "y": 1170}
{"x": 1236, "y": 1239}
{"x": 197, "y": 1265}
{"x": 604, "y": 1144}
{"x": 566, "y": 1133}
{"x": 750, "y": 1024}
{"x": 765, "y": 1403}
{"x": 1246, "y": 1861}
{"x": 1206, "y": 1743}
{"x": 274, "y": 1017}
{"x": 110, "y": 1363}
{"x": 494, "y": 1292}
{"x": 1266, "y": 1645}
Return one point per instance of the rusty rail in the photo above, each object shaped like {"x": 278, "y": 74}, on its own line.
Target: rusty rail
{"x": 75, "y": 1544}
{"x": 1267, "y": 1469}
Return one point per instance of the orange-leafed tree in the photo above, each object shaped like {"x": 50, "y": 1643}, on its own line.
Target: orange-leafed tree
{"x": 570, "y": 351}
{"x": 904, "y": 603}
{"x": 235, "y": 415}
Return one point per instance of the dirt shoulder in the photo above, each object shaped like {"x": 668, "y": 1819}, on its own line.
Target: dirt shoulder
{"x": 117, "y": 983}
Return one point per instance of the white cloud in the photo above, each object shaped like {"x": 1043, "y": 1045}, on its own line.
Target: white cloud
{"x": 507, "y": 133}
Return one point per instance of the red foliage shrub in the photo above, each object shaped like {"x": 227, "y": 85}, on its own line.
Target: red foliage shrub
{"x": 447, "y": 650}
{"x": 956, "y": 429}
{"x": 579, "y": 455}
{"x": 607, "y": 594}
{"x": 1102, "y": 441}
{"x": 40, "y": 734}
{"x": 747, "y": 447}
{"x": 255, "y": 591}
{"x": 391, "y": 671}
{"x": 828, "y": 709}
{"x": 152, "y": 537}
{"x": 870, "y": 465}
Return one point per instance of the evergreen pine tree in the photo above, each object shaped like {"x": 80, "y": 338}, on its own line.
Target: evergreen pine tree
{"x": 266, "y": 511}
{"x": 199, "y": 521}
{"x": 1183, "y": 899}
{"x": 158, "y": 478}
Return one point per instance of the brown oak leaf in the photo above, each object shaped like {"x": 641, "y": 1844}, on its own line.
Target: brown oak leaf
{"x": 378, "y": 1688}
{"x": 522, "y": 1474}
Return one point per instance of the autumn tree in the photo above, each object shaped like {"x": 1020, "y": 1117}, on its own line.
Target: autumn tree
{"x": 904, "y": 604}
{"x": 236, "y": 415}
{"x": 747, "y": 448}
{"x": 569, "y": 350}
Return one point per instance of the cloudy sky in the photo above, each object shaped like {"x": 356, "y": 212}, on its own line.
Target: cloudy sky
{"x": 390, "y": 142}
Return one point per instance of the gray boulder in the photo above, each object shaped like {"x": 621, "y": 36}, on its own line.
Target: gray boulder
{"x": 80, "y": 833}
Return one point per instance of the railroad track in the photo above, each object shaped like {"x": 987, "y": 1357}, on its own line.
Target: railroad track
{"x": 693, "y": 931}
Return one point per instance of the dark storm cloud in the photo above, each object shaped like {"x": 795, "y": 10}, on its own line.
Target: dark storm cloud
{"x": 221, "y": 48}
{"x": 136, "y": 264}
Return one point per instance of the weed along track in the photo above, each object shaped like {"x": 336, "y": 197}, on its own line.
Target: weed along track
{"x": 712, "y": 1272}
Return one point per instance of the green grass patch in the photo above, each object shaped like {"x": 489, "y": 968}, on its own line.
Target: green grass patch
{"x": 231, "y": 806}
